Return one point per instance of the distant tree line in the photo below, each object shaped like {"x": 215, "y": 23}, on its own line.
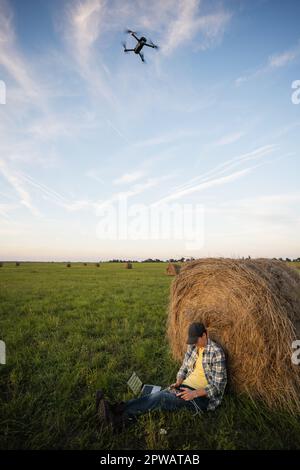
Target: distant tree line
{"x": 184, "y": 260}
{"x": 296, "y": 260}
{"x": 151, "y": 260}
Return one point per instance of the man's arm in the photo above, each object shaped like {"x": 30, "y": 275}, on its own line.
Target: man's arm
{"x": 218, "y": 376}
{"x": 177, "y": 383}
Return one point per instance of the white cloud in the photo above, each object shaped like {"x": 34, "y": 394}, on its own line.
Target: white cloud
{"x": 281, "y": 60}
{"x": 205, "y": 185}
{"x": 273, "y": 62}
{"x": 129, "y": 177}
{"x": 215, "y": 176}
{"x": 167, "y": 138}
{"x": 51, "y": 126}
{"x": 229, "y": 139}
{"x": 10, "y": 57}
{"x": 134, "y": 191}
{"x": 84, "y": 24}
{"x": 15, "y": 181}
{"x": 189, "y": 22}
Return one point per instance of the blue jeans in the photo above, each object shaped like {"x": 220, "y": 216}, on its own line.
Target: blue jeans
{"x": 163, "y": 400}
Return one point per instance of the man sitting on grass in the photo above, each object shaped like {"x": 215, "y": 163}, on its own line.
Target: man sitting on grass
{"x": 199, "y": 386}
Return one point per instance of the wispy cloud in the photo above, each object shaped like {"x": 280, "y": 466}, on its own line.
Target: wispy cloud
{"x": 85, "y": 21}
{"x": 51, "y": 126}
{"x": 205, "y": 185}
{"x": 14, "y": 179}
{"x": 189, "y": 22}
{"x": 11, "y": 58}
{"x": 281, "y": 60}
{"x": 215, "y": 176}
{"x": 229, "y": 138}
{"x": 136, "y": 189}
{"x": 129, "y": 177}
{"x": 273, "y": 62}
{"x": 59, "y": 199}
{"x": 167, "y": 138}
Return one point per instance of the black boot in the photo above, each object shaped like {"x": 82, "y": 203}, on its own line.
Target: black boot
{"x": 105, "y": 414}
{"x": 99, "y": 396}
{"x": 118, "y": 407}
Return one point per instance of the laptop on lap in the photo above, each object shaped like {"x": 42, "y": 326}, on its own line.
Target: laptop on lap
{"x": 138, "y": 388}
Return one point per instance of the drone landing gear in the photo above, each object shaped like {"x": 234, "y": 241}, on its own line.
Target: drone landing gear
{"x": 128, "y": 50}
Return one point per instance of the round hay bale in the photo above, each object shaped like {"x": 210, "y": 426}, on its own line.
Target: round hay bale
{"x": 128, "y": 265}
{"x": 252, "y": 309}
{"x": 173, "y": 269}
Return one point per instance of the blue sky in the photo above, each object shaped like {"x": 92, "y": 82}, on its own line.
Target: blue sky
{"x": 90, "y": 136}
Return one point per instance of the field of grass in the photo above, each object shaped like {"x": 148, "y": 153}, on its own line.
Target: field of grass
{"x": 295, "y": 264}
{"x": 69, "y": 331}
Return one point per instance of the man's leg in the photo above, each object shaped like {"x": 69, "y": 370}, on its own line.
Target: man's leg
{"x": 163, "y": 400}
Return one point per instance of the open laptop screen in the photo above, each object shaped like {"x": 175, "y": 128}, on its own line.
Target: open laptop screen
{"x": 135, "y": 383}
{"x": 137, "y": 386}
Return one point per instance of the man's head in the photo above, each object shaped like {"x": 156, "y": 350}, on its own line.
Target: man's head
{"x": 197, "y": 335}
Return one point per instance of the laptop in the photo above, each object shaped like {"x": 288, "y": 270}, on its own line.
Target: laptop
{"x": 138, "y": 388}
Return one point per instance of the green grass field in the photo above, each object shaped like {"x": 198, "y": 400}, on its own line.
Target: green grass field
{"x": 69, "y": 331}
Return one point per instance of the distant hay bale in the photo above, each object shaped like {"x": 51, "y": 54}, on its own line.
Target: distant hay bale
{"x": 173, "y": 269}
{"x": 68, "y": 265}
{"x": 84, "y": 264}
{"x": 252, "y": 309}
{"x": 128, "y": 265}
{"x": 17, "y": 263}
{"x": 98, "y": 265}
{"x": 1, "y": 264}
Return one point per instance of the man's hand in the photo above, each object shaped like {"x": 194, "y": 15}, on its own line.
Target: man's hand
{"x": 187, "y": 394}
{"x": 176, "y": 384}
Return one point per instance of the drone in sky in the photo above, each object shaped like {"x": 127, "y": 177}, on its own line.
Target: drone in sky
{"x": 141, "y": 42}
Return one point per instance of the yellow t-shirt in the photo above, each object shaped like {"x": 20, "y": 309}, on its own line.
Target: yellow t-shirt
{"x": 197, "y": 378}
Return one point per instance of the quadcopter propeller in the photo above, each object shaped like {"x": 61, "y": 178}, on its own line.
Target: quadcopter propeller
{"x": 124, "y": 45}
{"x": 129, "y": 31}
{"x": 153, "y": 45}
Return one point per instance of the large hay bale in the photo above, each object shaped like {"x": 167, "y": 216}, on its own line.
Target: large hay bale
{"x": 252, "y": 309}
{"x": 128, "y": 265}
{"x": 173, "y": 269}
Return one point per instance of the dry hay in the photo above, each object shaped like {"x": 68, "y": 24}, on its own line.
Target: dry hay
{"x": 173, "y": 269}
{"x": 252, "y": 309}
{"x": 128, "y": 265}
